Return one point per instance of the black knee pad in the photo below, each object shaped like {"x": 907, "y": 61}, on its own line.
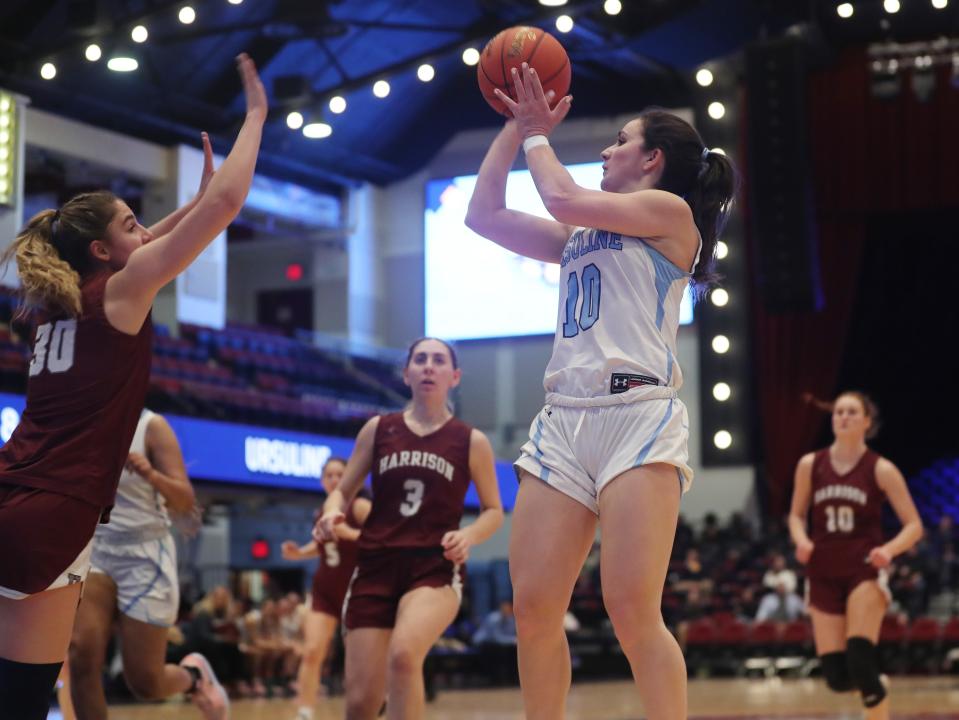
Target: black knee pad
{"x": 835, "y": 673}
{"x": 26, "y": 689}
{"x": 862, "y": 662}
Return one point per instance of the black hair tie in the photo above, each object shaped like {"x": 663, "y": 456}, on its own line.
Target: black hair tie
{"x": 53, "y": 225}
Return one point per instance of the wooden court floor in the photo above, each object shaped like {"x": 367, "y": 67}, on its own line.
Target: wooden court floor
{"x": 912, "y": 699}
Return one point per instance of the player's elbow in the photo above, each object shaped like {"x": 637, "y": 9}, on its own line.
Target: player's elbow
{"x": 477, "y": 219}
{"x": 226, "y": 204}
{"x": 561, "y": 205}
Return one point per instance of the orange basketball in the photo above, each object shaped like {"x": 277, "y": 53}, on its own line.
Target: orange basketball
{"x": 510, "y": 49}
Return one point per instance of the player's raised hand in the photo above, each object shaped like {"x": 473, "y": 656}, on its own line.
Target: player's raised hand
{"x": 532, "y": 110}
{"x": 256, "y": 102}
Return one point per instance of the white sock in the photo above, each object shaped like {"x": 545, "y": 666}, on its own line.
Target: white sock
{"x": 304, "y": 713}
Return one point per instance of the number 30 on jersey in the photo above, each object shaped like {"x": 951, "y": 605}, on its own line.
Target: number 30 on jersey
{"x": 54, "y": 347}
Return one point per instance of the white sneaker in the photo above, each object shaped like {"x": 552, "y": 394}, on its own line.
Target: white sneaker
{"x": 209, "y": 696}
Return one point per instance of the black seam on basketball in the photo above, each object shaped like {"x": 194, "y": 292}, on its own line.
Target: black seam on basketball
{"x": 562, "y": 67}
{"x": 491, "y": 81}
{"x": 529, "y": 60}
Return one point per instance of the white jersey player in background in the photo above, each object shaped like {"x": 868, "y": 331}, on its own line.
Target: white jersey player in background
{"x": 133, "y": 577}
{"x": 610, "y": 443}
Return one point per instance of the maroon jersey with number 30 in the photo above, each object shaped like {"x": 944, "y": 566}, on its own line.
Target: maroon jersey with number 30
{"x": 419, "y": 484}
{"x": 846, "y": 515}
{"x": 87, "y": 385}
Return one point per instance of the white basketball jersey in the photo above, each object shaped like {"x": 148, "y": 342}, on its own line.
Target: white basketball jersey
{"x": 138, "y": 506}
{"x": 618, "y": 317}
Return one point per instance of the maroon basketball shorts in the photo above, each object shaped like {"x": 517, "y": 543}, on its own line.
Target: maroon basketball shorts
{"x": 829, "y": 594}
{"x": 382, "y": 578}
{"x": 45, "y": 538}
{"x": 329, "y": 590}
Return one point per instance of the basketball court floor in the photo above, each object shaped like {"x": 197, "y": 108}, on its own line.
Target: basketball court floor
{"x": 934, "y": 698}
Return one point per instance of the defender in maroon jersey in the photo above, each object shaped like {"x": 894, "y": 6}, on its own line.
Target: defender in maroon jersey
{"x": 90, "y": 271}
{"x": 845, "y": 486}
{"x": 338, "y": 559}
{"x": 406, "y": 589}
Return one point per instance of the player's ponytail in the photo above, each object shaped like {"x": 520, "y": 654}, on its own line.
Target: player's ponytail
{"x": 705, "y": 179}
{"x": 52, "y": 252}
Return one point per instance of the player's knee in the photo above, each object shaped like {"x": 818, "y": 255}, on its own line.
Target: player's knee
{"x": 86, "y": 658}
{"x": 313, "y": 655}
{"x": 25, "y": 689}
{"x": 537, "y": 612}
{"x": 631, "y": 619}
{"x": 404, "y": 663}
{"x": 835, "y": 672}
{"x": 862, "y": 662}
{"x": 360, "y": 705}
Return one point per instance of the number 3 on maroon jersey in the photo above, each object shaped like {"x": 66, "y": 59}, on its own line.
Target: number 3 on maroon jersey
{"x": 414, "y": 497}
{"x": 53, "y": 348}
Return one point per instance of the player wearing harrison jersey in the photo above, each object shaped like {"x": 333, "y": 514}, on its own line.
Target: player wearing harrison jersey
{"x": 610, "y": 446}
{"x": 330, "y": 581}
{"x": 91, "y": 272}
{"x": 406, "y": 589}
{"x": 843, "y": 488}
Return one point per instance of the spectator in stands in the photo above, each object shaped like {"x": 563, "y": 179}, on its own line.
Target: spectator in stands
{"x": 711, "y": 539}
{"x": 691, "y": 575}
{"x": 685, "y": 537}
{"x": 908, "y": 587}
{"x": 944, "y": 535}
{"x": 496, "y": 640}
{"x": 694, "y": 608}
{"x": 745, "y": 605}
{"x": 253, "y": 647}
{"x": 778, "y": 574}
{"x": 498, "y": 627}
{"x": 781, "y": 605}
{"x": 947, "y": 572}
{"x": 740, "y": 533}
{"x": 214, "y": 632}
{"x": 292, "y": 613}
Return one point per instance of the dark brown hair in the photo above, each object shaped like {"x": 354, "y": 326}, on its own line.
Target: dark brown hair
{"x": 707, "y": 184}
{"x": 334, "y": 458}
{"x": 409, "y": 354}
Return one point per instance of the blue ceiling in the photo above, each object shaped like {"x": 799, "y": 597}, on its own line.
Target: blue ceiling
{"x": 186, "y": 80}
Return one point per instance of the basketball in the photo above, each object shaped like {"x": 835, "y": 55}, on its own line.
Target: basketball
{"x": 510, "y": 49}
